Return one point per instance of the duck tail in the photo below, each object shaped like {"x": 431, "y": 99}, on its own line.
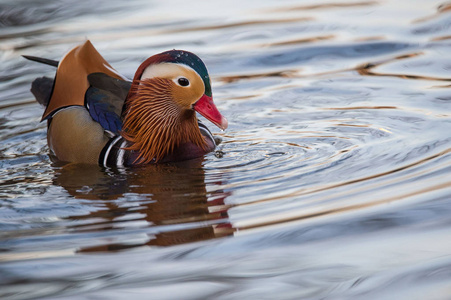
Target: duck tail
{"x": 42, "y": 88}
{"x": 41, "y": 60}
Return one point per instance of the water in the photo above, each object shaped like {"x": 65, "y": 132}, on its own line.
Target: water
{"x": 332, "y": 181}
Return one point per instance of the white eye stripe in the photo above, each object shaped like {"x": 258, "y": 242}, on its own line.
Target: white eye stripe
{"x": 173, "y": 72}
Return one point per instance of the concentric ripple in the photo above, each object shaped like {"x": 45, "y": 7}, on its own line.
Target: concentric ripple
{"x": 331, "y": 182}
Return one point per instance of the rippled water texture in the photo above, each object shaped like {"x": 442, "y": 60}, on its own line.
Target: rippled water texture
{"x": 332, "y": 181}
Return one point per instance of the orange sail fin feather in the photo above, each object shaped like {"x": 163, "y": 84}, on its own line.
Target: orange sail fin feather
{"x": 71, "y": 81}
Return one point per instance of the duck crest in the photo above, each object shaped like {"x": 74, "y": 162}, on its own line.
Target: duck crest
{"x": 154, "y": 125}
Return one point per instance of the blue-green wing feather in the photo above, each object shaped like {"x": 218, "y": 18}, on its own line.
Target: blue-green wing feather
{"x": 105, "y": 99}
{"x": 100, "y": 109}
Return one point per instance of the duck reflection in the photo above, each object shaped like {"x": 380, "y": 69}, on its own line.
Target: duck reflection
{"x": 171, "y": 198}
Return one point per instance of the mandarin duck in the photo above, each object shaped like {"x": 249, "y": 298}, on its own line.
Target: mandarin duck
{"x": 95, "y": 115}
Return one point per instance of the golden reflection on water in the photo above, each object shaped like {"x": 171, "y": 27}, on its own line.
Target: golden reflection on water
{"x": 375, "y": 188}
{"x": 360, "y": 107}
{"x": 144, "y": 31}
{"x": 323, "y": 6}
{"x": 295, "y": 216}
{"x": 441, "y": 9}
{"x": 283, "y": 74}
{"x": 367, "y": 69}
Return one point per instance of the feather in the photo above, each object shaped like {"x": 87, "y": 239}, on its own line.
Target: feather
{"x": 41, "y": 88}
{"x": 105, "y": 99}
{"x": 154, "y": 124}
{"x": 42, "y": 60}
{"x": 71, "y": 83}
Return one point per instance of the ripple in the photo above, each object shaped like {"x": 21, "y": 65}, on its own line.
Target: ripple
{"x": 417, "y": 62}
{"x": 28, "y": 13}
{"x": 332, "y": 180}
{"x": 325, "y": 6}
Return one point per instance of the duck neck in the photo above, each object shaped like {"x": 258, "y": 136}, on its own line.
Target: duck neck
{"x": 154, "y": 124}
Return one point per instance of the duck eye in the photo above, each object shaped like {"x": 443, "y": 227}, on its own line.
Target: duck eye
{"x": 183, "y": 81}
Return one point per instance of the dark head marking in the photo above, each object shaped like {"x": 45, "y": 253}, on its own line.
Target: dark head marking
{"x": 179, "y": 57}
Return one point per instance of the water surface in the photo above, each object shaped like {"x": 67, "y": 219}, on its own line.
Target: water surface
{"x": 331, "y": 182}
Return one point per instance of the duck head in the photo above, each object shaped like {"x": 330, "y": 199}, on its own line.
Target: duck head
{"x": 159, "y": 112}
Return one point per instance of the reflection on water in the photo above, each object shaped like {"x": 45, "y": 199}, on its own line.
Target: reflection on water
{"x": 332, "y": 181}
{"x": 168, "y": 195}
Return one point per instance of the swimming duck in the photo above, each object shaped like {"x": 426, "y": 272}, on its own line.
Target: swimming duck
{"x": 95, "y": 115}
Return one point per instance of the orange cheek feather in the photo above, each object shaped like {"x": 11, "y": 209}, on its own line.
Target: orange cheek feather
{"x": 186, "y": 96}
